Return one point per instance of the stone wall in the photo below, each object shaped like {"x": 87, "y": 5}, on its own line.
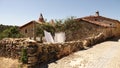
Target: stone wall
{"x": 40, "y": 53}
{"x": 49, "y": 52}
{"x": 9, "y": 49}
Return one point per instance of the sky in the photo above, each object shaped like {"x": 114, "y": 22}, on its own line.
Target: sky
{"x": 20, "y": 12}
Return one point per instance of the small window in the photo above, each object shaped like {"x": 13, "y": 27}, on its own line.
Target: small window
{"x": 25, "y": 30}
{"x": 112, "y": 25}
{"x": 95, "y": 19}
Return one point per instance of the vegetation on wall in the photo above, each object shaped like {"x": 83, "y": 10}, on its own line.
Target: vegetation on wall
{"x": 24, "y": 57}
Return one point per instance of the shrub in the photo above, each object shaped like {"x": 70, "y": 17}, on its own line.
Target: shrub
{"x": 24, "y": 57}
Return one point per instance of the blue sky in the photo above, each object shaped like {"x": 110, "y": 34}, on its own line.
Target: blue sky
{"x": 19, "y": 12}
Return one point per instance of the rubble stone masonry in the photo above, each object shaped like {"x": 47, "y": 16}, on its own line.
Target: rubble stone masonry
{"x": 38, "y": 53}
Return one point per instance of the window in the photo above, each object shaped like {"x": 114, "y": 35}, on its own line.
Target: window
{"x": 25, "y": 30}
{"x": 111, "y": 25}
{"x": 95, "y": 19}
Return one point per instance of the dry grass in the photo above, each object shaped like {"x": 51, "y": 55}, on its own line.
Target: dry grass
{"x": 8, "y": 63}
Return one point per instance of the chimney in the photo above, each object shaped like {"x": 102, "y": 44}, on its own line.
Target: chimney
{"x": 41, "y": 19}
{"x": 97, "y": 13}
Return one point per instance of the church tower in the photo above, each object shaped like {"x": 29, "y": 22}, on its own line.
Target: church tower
{"x": 41, "y": 19}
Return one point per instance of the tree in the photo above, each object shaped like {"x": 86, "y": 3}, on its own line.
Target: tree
{"x": 71, "y": 24}
{"x": 59, "y": 26}
{"x": 3, "y": 27}
{"x": 41, "y": 27}
{"x": 12, "y": 32}
{"x": 48, "y": 27}
{"x": 40, "y": 31}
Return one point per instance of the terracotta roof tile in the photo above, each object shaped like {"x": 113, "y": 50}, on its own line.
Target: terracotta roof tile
{"x": 30, "y": 23}
{"x": 100, "y": 20}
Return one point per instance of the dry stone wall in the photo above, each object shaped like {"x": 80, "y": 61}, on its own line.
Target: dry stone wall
{"x": 40, "y": 53}
{"x": 9, "y": 49}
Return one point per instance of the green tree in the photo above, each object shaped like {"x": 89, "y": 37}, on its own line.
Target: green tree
{"x": 59, "y": 26}
{"x": 12, "y": 32}
{"x": 71, "y": 24}
{"x": 48, "y": 27}
{"x": 3, "y": 27}
{"x": 41, "y": 27}
{"x": 40, "y": 31}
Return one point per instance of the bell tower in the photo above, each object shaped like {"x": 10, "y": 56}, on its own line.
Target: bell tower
{"x": 41, "y": 19}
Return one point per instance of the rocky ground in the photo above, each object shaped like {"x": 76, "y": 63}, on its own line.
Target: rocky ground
{"x": 103, "y": 55}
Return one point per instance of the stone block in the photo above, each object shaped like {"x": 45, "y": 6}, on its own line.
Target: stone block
{"x": 32, "y": 60}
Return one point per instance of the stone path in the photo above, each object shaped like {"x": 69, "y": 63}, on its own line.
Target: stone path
{"x": 103, "y": 55}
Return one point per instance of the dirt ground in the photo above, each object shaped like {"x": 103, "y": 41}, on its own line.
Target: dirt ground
{"x": 8, "y": 63}
{"x": 103, "y": 55}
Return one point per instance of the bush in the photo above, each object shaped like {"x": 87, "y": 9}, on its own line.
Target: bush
{"x": 24, "y": 57}
{"x": 12, "y": 32}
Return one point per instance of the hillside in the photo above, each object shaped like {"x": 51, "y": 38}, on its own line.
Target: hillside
{"x": 7, "y": 31}
{"x": 3, "y": 27}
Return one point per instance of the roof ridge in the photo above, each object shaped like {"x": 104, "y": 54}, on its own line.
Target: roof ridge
{"x": 97, "y": 23}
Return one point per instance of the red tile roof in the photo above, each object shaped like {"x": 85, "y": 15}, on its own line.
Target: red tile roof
{"x": 100, "y": 20}
{"x": 30, "y": 23}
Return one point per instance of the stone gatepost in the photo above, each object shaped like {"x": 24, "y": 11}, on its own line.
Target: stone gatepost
{"x": 32, "y": 49}
{"x": 29, "y": 55}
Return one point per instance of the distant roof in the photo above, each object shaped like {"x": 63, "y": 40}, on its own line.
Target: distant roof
{"x": 30, "y": 23}
{"x": 39, "y": 21}
{"x": 100, "y": 20}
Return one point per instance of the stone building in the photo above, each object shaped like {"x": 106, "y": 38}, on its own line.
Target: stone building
{"x": 100, "y": 20}
{"x": 28, "y": 29}
{"x": 111, "y": 24}
{"x": 89, "y": 26}
{"x": 86, "y": 27}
